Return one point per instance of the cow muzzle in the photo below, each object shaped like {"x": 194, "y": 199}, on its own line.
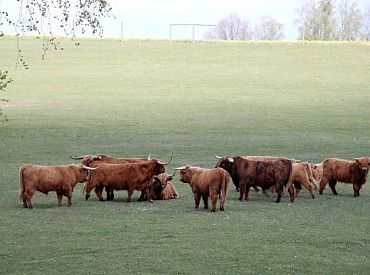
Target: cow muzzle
{"x": 364, "y": 169}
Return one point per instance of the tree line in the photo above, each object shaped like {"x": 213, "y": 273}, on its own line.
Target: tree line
{"x": 316, "y": 20}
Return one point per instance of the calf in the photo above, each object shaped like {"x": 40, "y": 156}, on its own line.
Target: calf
{"x": 354, "y": 172}
{"x": 205, "y": 183}
{"x": 163, "y": 188}
{"x": 61, "y": 179}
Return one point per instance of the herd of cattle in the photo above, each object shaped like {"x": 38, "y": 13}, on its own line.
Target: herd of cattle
{"x": 271, "y": 174}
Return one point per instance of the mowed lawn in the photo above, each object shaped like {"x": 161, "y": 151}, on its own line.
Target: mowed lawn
{"x": 305, "y": 101}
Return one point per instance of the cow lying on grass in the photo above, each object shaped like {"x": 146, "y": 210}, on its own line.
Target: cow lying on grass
{"x": 247, "y": 173}
{"x": 162, "y": 187}
{"x": 205, "y": 183}
{"x": 354, "y": 172}
{"x": 61, "y": 179}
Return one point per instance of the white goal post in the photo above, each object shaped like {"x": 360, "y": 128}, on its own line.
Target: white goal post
{"x": 193, "y": 29}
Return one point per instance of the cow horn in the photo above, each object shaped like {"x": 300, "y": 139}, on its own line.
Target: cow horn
{"x": 98, "y": 156}
{"x": 173, "y": 174}
{"x": 180, "y": 168}
{"x": 75, "y": 157}
{"x": 230, "y": 159}
{"x": 165, "y": 163}
{"x": 89, "y": 168}
{"x": 149, "y": 157}
{"x": 217, "y": 157}
{"x": 356, "y": 159}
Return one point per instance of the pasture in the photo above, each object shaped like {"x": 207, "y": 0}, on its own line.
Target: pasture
{"x": 305, "y": 101}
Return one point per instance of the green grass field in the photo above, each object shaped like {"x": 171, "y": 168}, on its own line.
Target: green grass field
{"x": 306, "y": 101}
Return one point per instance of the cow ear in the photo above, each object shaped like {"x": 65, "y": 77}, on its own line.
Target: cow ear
{"x": 169, "y": 178}
{"x": 156, "y": 178}
{"x": 230, "y": 159}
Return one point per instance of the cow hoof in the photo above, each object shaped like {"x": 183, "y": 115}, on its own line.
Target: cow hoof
{"x": 222, "y": 209}
{"x": 320, "y": 192}
{"x": 87, "y": 197}
{"x": 213, "y": 210}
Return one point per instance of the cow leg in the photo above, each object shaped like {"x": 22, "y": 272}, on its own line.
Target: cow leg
{"x": 297, "y": 188}
{"x": 205, "y": 201}
{"x": 197, "y": 200}
{"x": 332, "y": 184}
{"x": 110, "y": 194}
{"x": 129, "y": 194}
{"x": 324, "y": 181}
{"x": 28, "y": 196}
{"x": 291, "y": 191}
{"x": 356, "y": 190}
{"x": 143, "y": 196}
{"x": 99, "y": 193}
{"x": 60, "y": 197}
{"x": 24, "y": 202}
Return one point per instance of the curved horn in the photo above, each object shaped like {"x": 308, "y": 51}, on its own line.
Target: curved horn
{"x": 356, "y": 159}
{"x": 173, "y": 174}
{"x": 149, "y": 157}
{"x": 165, "y": 163}
{"x": 217, "y": 157}
{"x": 180, "y": 168}
{"x": 89, "y": 168}
{"x": 75, "y": 157}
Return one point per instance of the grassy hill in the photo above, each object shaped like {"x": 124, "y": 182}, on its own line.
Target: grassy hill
{"x": 306, "y": 101}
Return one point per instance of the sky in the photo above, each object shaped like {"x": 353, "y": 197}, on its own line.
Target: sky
{"x": 151, "y": 18}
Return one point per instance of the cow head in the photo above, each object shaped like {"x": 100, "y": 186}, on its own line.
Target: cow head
{"x": 185, "y": 173}
{"x": 225, "y": 163}
{"x": 160, "y": 181}
{"x": 363, "y": 164}
{"x": 159, "y": 166}
{"x": 85, "y": 172}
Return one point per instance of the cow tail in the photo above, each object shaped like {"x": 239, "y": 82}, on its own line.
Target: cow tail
{"x": 22, "y": 187}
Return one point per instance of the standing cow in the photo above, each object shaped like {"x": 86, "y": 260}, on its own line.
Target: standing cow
{"x": 317, "y": 170}
{"x": 206, "y": 182}
{"x": 89, "y": 160}
{"x": 61, "y": 179}
{"x": 130, "y": 177}
{"x": 248, "y": 173}
{"x": 354, "y": 172}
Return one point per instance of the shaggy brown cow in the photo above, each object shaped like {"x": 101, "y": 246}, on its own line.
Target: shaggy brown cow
{"x": 317, "y": 170}
{"x": 205, "y": 183}
{"x": 61, "y": 179}
{"x": 162, "y": 187}
{"x": 88, "y": 160}
{"x": 247, "y": 173}
{"x": 302, "y": 175}
{"x": 346, "y": 171}
{"x": 130, "y": 177}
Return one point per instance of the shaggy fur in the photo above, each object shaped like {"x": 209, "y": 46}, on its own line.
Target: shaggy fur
{"x": 246, "y": 173}
{"x": 206, "y": 182}
{"x": 61, "y": 179}
{"x": 130, "y": 177}
{"x": 317, "y": 170}
{"x": 347, "y": 171}
{"x": 163, "y": 188}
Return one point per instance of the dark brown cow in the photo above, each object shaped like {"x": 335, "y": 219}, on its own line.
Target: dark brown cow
{"x": 89, "y": 160}
{"x": 346, "y": 171}
{"x": 61, "y": 179}
{"x": 162, "y": 187}
{"x": 130, "y": 177}
{"x": 206, "y": 182}
{"x": 248, "y": 173}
